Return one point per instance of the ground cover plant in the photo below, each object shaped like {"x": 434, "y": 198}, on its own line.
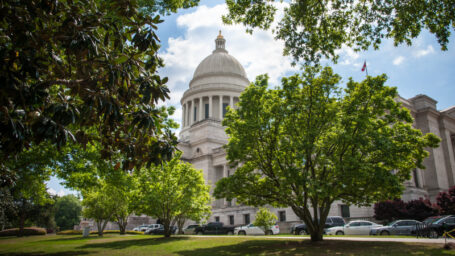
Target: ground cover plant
{"x": 184, "y": 245}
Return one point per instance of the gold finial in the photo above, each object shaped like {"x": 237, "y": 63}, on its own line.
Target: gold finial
{"x": 220, "y": 36}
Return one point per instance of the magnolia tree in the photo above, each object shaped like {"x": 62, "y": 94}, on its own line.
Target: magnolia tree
{"x": 309, "y": 143}
{"x": 265, "y": 219}
{"x": 172, "y": 190}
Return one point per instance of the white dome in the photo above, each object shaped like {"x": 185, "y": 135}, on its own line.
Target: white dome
{"x": 219, "y": 63}
{"x": 219, "y": 66}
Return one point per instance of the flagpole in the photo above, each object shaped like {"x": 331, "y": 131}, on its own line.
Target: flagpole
{"x": 366, "y": 68}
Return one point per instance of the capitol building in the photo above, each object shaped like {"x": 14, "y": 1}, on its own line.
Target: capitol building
{"x": 218, "y": 82}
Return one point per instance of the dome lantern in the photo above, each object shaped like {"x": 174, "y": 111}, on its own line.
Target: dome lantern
{"x": 220, "y": 43}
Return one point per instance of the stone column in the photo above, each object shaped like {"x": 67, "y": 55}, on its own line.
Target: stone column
{"x": 201, "y": 116}
{"x": 183, "y": 115}
{"x": 221, "y": 107}
{"x": 188, "y": 113}
{"x": 231, "y": 101}
{"x": 192, "y": 112}
{"x": 210, "y": 106}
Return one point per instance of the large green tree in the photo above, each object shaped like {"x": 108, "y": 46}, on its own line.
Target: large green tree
{"x": 172, "y": 190}
{"x": 84, "y": 70}
{"x": 309, "y": 143}
{"x": 312, "y": 29}
{"x": 67, "y": 212}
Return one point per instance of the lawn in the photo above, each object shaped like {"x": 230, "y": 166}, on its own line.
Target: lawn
{"x": 200, "y": 246}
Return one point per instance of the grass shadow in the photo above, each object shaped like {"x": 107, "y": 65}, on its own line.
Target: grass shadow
{"x": 122, "y": 244}
{"x": 40, "y": 253}
{"x": 305, "y": 247}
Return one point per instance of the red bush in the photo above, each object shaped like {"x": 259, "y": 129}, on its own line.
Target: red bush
{"x": 446, "y": 201}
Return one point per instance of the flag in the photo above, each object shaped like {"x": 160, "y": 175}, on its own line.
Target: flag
{"x": 364, "y": 66}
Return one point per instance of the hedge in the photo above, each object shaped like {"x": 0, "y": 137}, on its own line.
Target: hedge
{"x": 30, "y": 231}
{"x": 79, "y": 232}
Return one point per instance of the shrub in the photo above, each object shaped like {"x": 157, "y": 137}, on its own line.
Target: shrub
{"x": 421, "y": 209}
{"x": 31, "y": 231}
{"x": 390, "y": 210}
{"x": 70, "y": 232}
{"x": 446, "y": 201}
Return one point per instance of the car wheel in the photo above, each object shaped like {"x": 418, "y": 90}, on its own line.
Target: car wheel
{"x": 339, "y": 233}
{"x": 268, "y": 233}
{"x": 385, "y": 233}
{"x": 434, "y": 234}
{"x": 242, "y": 233}
{"x": 303, "y": 232}
{"x": 230, "y": 233}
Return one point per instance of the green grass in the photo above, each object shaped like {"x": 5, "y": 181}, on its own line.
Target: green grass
{"x": 199, "y": 246}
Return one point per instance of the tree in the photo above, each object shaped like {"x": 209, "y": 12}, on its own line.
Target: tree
{"x": 390, "y": 210}
{"x": 421, "y": 209}
{"x": 98, "y": 204}
{"x": 172, "y": 190}
{"x": 84, "y": 71}
{"x": 67, "y": 212}
{"x": 313, "y": 29}
{"x": 306, "y": 144}
{"x": 123, "y": 192}
{"x": 446, "y": 201}
{"x": 265, "y": 219}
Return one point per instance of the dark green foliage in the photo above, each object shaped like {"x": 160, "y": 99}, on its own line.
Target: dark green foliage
{"x": 313, "y": 29}
{"x": 32, "y": 231}
{"x": 83, "y": 71}
{"x": 67, "y": 212}
{"x": 79, "y": 232}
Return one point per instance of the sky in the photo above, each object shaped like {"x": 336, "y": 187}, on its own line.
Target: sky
{"x": 189, "y": 36}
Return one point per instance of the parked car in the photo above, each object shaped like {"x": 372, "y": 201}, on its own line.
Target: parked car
{"x": 356, "y": 227}
{"x": 251, "y": 229}
{"x": 160, "y": 230}
{"x": 398, "y": 227}
{"x": 152, "y": 227}
{"x": 190, "y": 229}
{"x": 140, "y": 228}
{"x": 331, "y": 221}
{"x": 441, "y": 225}
{"x": 214, "y": 228}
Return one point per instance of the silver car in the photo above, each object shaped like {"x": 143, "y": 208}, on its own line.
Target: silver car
{"x": 398, "y": 227}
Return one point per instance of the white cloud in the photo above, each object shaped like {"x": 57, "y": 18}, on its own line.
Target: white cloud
{"x": 258, "y": 53}
{"x": 398, "y": 60}
{"x": 348, "y": 56}
{"x": 52, "y": 191}
{"x": 424, "y": 52}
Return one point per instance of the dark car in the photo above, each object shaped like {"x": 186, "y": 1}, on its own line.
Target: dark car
{"x": 398, "y": 227}
{"x": 160, "y": 230}
{"x": 214, "y": 228}
{"x": 441, "y": 225}
{"x": 331, "y": 221}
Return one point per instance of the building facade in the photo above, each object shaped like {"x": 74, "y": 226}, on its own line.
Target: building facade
{"x": 218, "y": 82}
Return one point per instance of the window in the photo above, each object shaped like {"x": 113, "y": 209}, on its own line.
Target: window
{"x": 225, "y": 108}
{"x": 195, "y": 113}
{"x": 282, "y": 216}
{"x": 246, "y": 218}
{"x": 207, "y": 111}
{"x": 231, "y": 219}
{"x": 228, "y": 203}
{"x": 366, "y": 224}
{"x": 217, "y": 219}
{"x": 345, "y": 211}
{"x": 354, "y": 224}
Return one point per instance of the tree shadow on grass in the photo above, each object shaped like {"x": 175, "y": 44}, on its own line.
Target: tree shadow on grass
{"x": 305, "y": 247}
{"x": 40, "y": 253}
{"x": 132, "y": 242}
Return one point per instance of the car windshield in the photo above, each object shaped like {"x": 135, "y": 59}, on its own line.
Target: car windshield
{"x": 392, "y": 223}
{"x": 431, "y": 220}
{"x": 438, "y": 221}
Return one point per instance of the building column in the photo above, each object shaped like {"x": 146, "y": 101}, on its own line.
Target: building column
{"x": 201, "y": 116}
{"x": 188, "y": 113}
{"x": 221, "y": 107}
{"x": 231, "y": 101}
{"x": 210, "y": 106}
{"x": 183, "y": 115}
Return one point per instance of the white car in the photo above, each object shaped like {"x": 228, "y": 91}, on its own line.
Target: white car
{"x": 190, "y": 229}
{"x": 140, "y": 228}
{"x": 152, "y": 227}
{"x": 356, "y": 227}
{"x": 251, "y": 229}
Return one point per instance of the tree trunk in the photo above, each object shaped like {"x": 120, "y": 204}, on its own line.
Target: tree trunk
{"x": 21, "y": 225}
{"x": 167, "y": 228}
{"x": 316, "y": 236}
{"x": 180, "y": 223}
{"x": 99, "y": 226}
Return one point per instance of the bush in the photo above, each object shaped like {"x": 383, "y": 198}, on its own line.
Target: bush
{"x": 446, "y": 201}
{"x": 397, "y": 209}
{"x": 79, "y": 232}
{"x": 31, "y": 231}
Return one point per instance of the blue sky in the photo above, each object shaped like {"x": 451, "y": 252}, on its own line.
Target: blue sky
{"x": 188, "y": 37}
